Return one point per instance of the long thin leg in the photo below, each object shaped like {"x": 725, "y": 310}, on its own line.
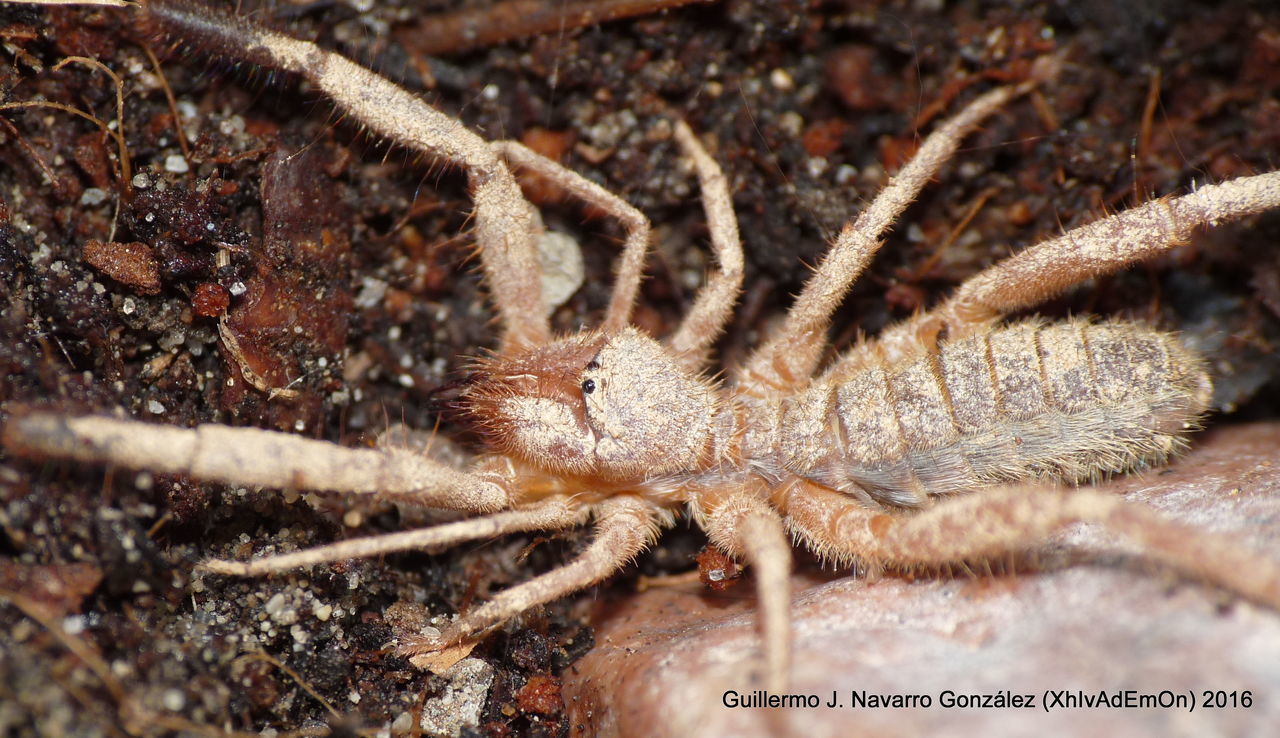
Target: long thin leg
{"x": 989, "y": 523}
{"x": 506, "y": 225}
{"x": 249, "y": 456}
{"x": 787, "y": 358}
{"x": 1105, "y": 246}
{"x": 741, "y": 523}
{"x": 1041, "y": 271}
{"x": 624, "y": 527}
{"x": 558, "y": 512}
{"x": 631, "y": 264}
{"x": 713, "y": 306}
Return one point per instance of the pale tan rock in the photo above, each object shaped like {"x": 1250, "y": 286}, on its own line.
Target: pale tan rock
{"x": 1095, "y": 619}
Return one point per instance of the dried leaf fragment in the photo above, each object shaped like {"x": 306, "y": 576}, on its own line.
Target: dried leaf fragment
{"x": 133, "y": 264}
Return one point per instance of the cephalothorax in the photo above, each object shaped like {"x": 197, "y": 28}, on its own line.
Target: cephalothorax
{"x": 859, "y": 459}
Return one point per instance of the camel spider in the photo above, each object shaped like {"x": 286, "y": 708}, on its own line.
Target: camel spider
{"x": 861, "y": 460}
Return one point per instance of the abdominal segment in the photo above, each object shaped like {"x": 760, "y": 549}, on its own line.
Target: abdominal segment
{"x": 1072, "y": 401}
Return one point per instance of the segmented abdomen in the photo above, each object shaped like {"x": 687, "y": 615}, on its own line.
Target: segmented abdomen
{"x": 1074, "y": 401}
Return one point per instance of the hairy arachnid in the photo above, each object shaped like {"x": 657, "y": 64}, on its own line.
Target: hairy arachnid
{"x": 858, "y": 459}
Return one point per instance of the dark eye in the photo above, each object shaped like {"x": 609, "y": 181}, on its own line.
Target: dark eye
{"x": 589, "y": 386}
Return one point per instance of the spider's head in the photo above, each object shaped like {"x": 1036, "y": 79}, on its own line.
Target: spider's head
{"x": 617, "y": 407}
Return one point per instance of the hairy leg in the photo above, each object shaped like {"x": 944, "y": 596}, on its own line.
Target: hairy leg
{"x": 713, "y": 306}
{"x": 249, "y": 456}
{"x": 624, "y": 526}
{"x": 741, "y": 523}
{"x": 557, "y": 512}
{"x": 631, "y": 263}
{"x": 1039, "y": 272}
{"x": 507, "y": 228}
{"x": 1102, "y": 247}
{"x": 787, "y": 358}
{"x": 989, "y": 523}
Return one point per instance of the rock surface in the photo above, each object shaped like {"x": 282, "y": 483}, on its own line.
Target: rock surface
{"x": 666, "y": 659}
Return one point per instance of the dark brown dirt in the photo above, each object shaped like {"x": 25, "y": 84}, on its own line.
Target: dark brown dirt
{"x": 343, "y": 270}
